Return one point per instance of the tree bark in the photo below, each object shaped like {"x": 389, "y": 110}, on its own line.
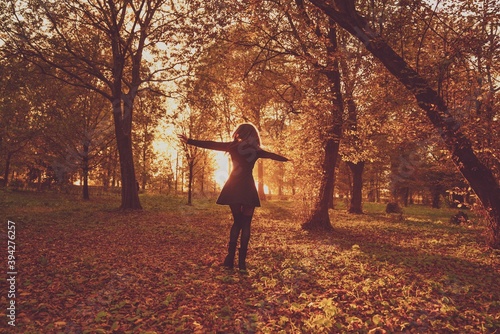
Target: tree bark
{"x": 356, "y": 204}
{"x": 190, "y": 182}
{"x": 436, "y": 195}
{"x": 356, "y": 168}
{"x": 7, "y": 169}
{"x": 281, "y": 181}
{"x": 479, "y": 176}
{"x": 144, "y": 163}
{"x": 123, "y": 131}
{"x": 405, "y": 193}
{"x": 85, "y": 168}
{"x": 202, "y": 188}
{"x": 320, "y": 219}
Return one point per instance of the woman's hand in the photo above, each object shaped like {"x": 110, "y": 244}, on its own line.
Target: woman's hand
{"x": 183, "y": 138}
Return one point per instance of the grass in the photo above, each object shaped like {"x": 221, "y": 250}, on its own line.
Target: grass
{"x": 84, "y": 267}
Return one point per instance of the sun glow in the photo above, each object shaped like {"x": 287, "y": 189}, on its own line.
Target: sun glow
{"x": 167, "y": 153}
{"x": 222, "y": 168}
{"x": 222, "y": 165}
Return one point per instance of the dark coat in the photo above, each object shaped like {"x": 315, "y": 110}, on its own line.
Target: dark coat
{"x": 240, "y": 187}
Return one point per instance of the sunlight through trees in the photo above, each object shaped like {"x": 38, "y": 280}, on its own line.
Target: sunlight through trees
{"x": 373, "y": 101}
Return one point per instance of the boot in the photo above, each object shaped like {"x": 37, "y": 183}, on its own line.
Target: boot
{"x": 229, "y": 261}
{"x": 242, "y": 255}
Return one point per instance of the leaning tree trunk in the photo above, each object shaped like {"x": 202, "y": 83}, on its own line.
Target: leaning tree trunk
{"x": 479, "y": 176}
{"x": 123, "y": 130}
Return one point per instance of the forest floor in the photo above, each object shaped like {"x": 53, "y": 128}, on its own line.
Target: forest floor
{"x": 84, "y": 267}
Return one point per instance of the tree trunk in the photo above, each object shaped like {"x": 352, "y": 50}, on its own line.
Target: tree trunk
{"x": 176, "y": 172}
{"x": 39, "y": 180}
{"x": 190, "y": 182}
{"x": 114, "y": 181}
{"x": 357, "y": 187}
{"x": 331, "y": 203}
{"x": 280, "y": 181}
{"x": 7, "y": 169}
{"x": 373, "y": 193}
{"x": 123, "y": 131}
{"x": 106, "y": 176}
{"x": 436, "y": 195}
{"x": 85, "y": 168}
{"x": 320, "y": 219}
{"x": 202, "y": 188}
{"x": 405, "y": 192}
{"x": 144, "y": 165}
{"x": 356, "y": 168}
{"x": 479, "y": 176}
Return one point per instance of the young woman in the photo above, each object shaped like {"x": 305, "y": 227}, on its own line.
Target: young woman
{"x": 239, "y": 192}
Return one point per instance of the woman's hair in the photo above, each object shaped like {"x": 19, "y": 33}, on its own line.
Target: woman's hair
{"x": 247, "y": 132}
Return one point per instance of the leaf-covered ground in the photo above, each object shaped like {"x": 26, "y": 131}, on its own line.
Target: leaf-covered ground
{"x": 86, "y": 268}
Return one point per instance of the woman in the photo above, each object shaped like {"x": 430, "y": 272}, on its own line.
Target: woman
{"x": 239, "y": 192}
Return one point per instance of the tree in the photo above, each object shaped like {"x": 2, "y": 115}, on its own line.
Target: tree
{"x": 78, "y": 129}
{"x": 149, "y": 112}
{"x": 195, "y": 125}
{"x": 19, "y": 116}
{"x": 479, "y": 176}
{"x": 234, "y": 82}
{"x": 320, "y": 218}
{"x": 107, "y": 47}
{"x": 207, "y": 109}
{"x": 299, "y": 33}
{"x": 354, "y": 155}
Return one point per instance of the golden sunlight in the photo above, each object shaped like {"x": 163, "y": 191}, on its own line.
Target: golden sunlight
{"x": 222, "y": 168}
{"x": 166, "y": 152}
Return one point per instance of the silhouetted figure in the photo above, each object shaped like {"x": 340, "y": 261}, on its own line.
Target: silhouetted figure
{"x": 239, "y": 192}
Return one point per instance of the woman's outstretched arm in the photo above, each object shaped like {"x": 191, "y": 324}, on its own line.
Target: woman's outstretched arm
{"x": 211, "y": 145}
{"x": 270, "y": 155}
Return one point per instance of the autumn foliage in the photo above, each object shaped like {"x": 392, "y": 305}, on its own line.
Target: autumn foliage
{"x": 373, "y": 102}
{"x": 86, "y": 268}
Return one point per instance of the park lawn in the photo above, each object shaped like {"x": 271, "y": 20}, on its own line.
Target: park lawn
{"x": 84, "y": 267}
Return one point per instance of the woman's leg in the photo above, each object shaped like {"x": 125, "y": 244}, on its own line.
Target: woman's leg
{"x": 246, "y": 219}
{"x": 236, "y": 210}
{"x": 233, "y": 236}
